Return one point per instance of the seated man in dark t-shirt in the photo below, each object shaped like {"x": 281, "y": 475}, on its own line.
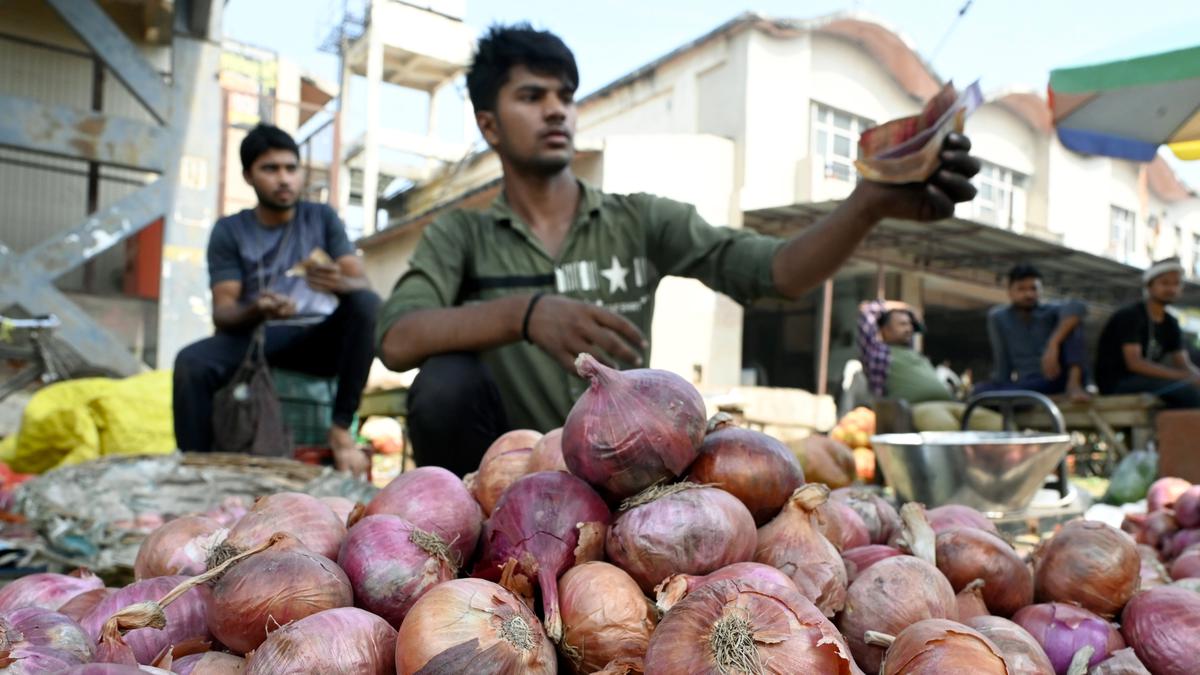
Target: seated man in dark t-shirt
{"x": 1141, "y": 348}
{"x": 321, "y": 322}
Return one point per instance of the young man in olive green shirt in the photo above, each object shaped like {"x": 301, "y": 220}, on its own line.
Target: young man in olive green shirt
{"x": 496, "y": 305}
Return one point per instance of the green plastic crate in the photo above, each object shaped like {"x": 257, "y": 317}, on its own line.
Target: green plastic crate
{"x": 307, "y": 403}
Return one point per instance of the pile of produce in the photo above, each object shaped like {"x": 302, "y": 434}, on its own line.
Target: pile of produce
{"x": 637, "y": 539}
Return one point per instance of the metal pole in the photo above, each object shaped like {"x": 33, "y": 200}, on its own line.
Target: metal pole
{"x": 826, "y": 329}
{"x": 880, "y": 281}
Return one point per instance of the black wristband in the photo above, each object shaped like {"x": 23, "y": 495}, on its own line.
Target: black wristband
{"x": 529, "y": 313}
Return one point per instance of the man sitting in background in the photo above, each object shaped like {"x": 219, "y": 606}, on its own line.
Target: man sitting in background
{"x": 1036, "y": 346}
{"x": 896, "y": 370}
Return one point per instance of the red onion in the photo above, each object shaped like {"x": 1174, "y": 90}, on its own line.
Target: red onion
{"x": 504, "y": 462}
{"x": 752, "y": 466}
{"x": 828, "y": 461}
{"x": 547, "y": 453}
{"x": 606, "y": 619}
{"x": 793, "y": 543}
{"x": 632, "y": 429}
{"x": 34, "y": 640}
{"x": 888, "y": 597}
{"x": 950, "y": 516}
{"x": 1062, "y": 630}
{"x": 1162, "y": 625}
{"x": 342, "y": 640}
{"x": 297, "y": 514}
{"x": 341, "y": 507}
{"x": 1156, "y": 529}
{"x": 842, "y": 526}
{"x": 970, "y": 603}
{"x": 1179, "y": 542}
{"x": 681, "y": 528}
{"x": 81, "y": 605}
{"x": 1164, "y": 491}
{"x": 940, "y": 646}
{"x": 1152, "y": 572}
{"x": 1121, "y": 662}
{"x": 1187, "y": 507}
{"x": 675, "y": 587}
{"x": 185, "y": 617}
{"x": 390, "y": 563}
{"x": 1090, "y": 564}
{"x": 473, "y": 626}
{"x": 880, "y": 517}
{"x": 747, "y": 627}
{"x": 1187, "y": 565}
{"x": 966, "y": 554}
{"x": 272, "y": 589}
{"x": 46, "y": 590}
{"x": 180, "y": 546}
{"x": 435, "y": 500}
{"x": 210, "y": 663}
{"x": 1021, "y": 652}
{"x": 543, "y": 525}
{"x": 862, "y": 557}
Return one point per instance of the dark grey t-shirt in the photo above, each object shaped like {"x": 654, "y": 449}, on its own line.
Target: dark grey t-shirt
{"x": 239, "y": 246}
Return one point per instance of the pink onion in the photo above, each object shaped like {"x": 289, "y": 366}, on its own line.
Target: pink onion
{"x": 209, "y": 663}
{"x": 1162, "y": 625}
{"x": 341, "y": 507}
{"x": 229, "y": 511}
{"x": 1062, "y": 630}
{"x": 81, "y": 605}
{"x": 793, "y": 543}
{"x": 305, "y": 518}
{"x": 180, "y": 546}
{"x": 391, "y": 563}
{"x": 1152, "y": 573}
{"x": 888, "y": 597}
{"x": 435, "y": 500}
{"x": 547, "y": 453}
{"x": 1021, "y": 651}
{"x": 1157, "y": 528}
{"x": 543, "y": 525}
{"x": 677, "y": 586}
{"x": 34, "y": 640}
{"x": 185, "y": 616}
{"x": 842, "y": 526}
{"x": 1179, "y": 542}
{"x": 878, "y": 515}
{"x": 506, "y": 460}
{"x": 681, "y": 528}
{"x": 860, "y": 558}
{"x": 1087, "y": 563}
{"x": 612, "y": 626}
{"x": 1187, "y": 507}
{"x": 750, "y": 465}
{"x": 1164, "y": 491}
{"x": 966, "y": 554}
{"x": 632, "y": 429}
{"x": 342, "y": 640}
{"x": 46, "y": 590}
{"x": 950, "y": 516}
{"x": 1121, "y": 662}
{"x": 1187, "y": 565}
{"x": 271, "y": 589}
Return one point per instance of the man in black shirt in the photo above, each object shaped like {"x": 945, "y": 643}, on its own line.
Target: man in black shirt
{"x": 1141, "y": 348}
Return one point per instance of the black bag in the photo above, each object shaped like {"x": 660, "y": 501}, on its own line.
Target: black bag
{"x": 247, "y": 415}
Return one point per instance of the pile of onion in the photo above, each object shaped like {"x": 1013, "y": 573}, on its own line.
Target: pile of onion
{"x": 1187, "y": 507}
{"x": 745, "y": 627}
{"x": 1164, "y": 492}
{"x": 940, "y": 646}
{"x": 827, "y": 461}
{"x": 888, "y": 597}
{"x": 185, "y": 618}
{"x": 750, "y": 465}
{"x": 47, "y": 590}
{"x": 1090, "y": 564}
{"x": 862, "y": 557}
{"x": 1152, "y": 573}
{"x": 793, "y": 543}
{"x": 209, "y": 663}
{"x": 680, "y": 528}
{"x": 606, "y": 619}
{"x": 543, "y": 525}
{"x": 473, "y": 626}
{"x": 1021, "y": 652}
{"x": 1162, "y": 625}
{"x": 390, "y": 563}
{"x": 506, "y": 460}
{"x": 677, "y": 586}
{"x": 180, "y": 546}
{"x": 1187, "y": 565}
{"x": 547, "y": 453}
{"x": 305, "y": 518}
{"x": 37, "y": 640}
{"x": 878, "y": 515}
{"x": 967, "y": 554}
{"x": 435, "y": 500}
{"x": 951, "y": 516}
{"x": 1062, "y": 630}
{"x": 842, "y": 526}
{"x": 343, "y": 640}
{"x": 632, "y": 429}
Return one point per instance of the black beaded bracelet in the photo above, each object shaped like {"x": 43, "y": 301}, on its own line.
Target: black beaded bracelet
{"x": 529, "y": 313}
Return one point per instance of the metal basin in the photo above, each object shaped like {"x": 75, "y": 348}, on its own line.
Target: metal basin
{"x": 993, "y": 471}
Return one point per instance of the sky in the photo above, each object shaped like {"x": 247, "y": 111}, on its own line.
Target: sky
{"x": 1004, "y": 43}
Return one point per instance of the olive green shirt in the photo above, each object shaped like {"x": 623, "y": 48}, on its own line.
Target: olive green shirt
{"x": 618, "y": 248}
{"x": 913, "y": 378}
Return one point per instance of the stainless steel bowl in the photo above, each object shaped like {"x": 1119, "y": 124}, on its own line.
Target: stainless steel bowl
{"x": 993, "y": 471}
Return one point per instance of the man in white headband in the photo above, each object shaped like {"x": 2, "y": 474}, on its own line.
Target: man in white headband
{"x": 1141, "y": 348}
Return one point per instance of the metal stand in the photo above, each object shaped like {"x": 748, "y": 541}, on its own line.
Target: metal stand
{"x": 1007, "y": 402}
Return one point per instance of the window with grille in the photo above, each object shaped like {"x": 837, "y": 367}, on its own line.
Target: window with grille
{"x": 835, "y": 141}
{"x": 1000, "y": 200}
{"x": 1120, "y": 233}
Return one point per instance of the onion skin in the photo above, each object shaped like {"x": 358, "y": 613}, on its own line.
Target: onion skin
{"x": 777, "y": 627}
{"x": 752, "y": 466}
{"x": 970, "y": 604}
{"x": 1187, "y": 507}
{"x": 305, "y": 518}
{"x": 889, "y": 596}
{"x": 473, "y": 626}
{"x": 1062, "y": 630}
{"x": 859, "y": 559}
{"x": 940, "y": 646}
{"x": 185, "y": 616}
{"x": 435, "y": 500}
{"x": 1089, "y": 564}
{"x": 630, "y": 430}
{"x": 506, "y": 460}
{"x": 880, "y": 517}
{"x": 343, "y": 640}
{"x": 677, "y": 586}
{"x": 966, "y": 554}
{"x": 842, "y": 526}
{"x": 1156, "y": 529}
{"x": 1152, "y": 573}
{"x": 104, "y": 669}
{"x": 1164, "y": 492}
{"x": 81, "y": 605}
{"x": 1187, "y": 565}
{"x": 1180, "y": 542}
{"x": 34, "y": 640}
{"x": 547, "y": 453}
{"x": 390, "y": 563}
{"x": 694, "y": 531}
{"x": 793, "y": 543}
{"x": 210, "y": 663}
{"x": 180, "y": 546}
{"x": 46, "y": 590}
{"x": 341, "y": 507}
{"x": 1162, "y": 626}
{"x": 951, "y": 516}
{"x": 1122, "y": 662}
{"x": 1021, "y": 652}
{"x": 606, "y": 618}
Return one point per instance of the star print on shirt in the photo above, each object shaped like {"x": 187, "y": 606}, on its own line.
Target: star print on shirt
{"x": 616, "y": 276}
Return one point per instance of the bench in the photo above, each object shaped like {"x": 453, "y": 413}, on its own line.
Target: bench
{"x": 1104, "y": 415}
